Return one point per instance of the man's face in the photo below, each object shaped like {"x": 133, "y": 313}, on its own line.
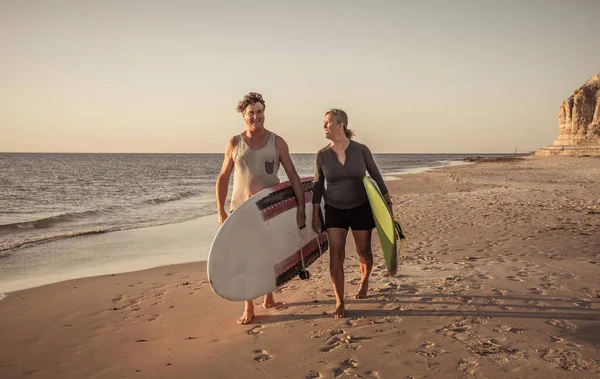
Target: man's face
{"x": 254, "y": 115}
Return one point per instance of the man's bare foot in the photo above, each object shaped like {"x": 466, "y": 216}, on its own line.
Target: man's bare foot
{"x": 339, "y": 311}
{"x": 270, "y": 302}
{"x": 246, "y": 317}
{"x": 362, "y": 292}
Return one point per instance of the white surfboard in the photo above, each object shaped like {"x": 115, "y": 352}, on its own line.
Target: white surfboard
{"x": 259, "y": 246}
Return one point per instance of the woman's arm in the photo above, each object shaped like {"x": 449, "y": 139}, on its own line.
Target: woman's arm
{"x": 373, "y": 171}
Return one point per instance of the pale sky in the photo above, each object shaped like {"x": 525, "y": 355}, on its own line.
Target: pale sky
{"x": 414, "y": 76}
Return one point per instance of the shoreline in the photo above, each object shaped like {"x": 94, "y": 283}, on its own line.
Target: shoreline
{"x": 111, "y": 253}
{"x": 117, "y": 239}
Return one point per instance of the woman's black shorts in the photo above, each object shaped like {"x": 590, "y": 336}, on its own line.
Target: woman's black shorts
{"x": 357, "y": 218}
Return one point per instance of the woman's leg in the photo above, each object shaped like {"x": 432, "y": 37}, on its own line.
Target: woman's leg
{"x": 362, "y": 239}
{"x": 337, "y": 254}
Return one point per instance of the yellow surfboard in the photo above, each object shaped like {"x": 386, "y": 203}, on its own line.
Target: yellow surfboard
{"x": 389, "y": 230}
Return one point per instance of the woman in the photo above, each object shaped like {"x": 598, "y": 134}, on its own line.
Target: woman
{"x": 343, "y": 164}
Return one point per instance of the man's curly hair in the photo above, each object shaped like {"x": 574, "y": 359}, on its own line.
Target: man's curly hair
{"x": 249, "y": 99}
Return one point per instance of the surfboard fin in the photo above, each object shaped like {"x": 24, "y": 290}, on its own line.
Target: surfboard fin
{"x": 399, "y": 232}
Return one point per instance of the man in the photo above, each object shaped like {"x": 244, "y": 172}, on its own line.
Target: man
{"x": 254, "y": 155}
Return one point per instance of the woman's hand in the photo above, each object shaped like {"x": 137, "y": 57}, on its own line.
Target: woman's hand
{"x": 390, "y": 207}
{"x": 316, "y": 223}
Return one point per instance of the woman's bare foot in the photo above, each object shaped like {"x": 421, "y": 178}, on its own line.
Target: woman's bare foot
{"x": 362, "y": 291}
{"x": 270, "y": 302}
{"x": 339, "y": 310}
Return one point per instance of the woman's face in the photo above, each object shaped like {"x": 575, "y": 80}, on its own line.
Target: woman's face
{"x": 332, "y": 127}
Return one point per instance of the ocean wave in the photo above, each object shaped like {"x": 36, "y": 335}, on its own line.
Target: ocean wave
{"x": 28, "y": 240}
{"x": 48, "y": 222}
{"x": 41, "y": 239}
{"x": 171, "y": 197}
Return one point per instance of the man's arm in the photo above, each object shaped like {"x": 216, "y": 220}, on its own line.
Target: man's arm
{"x": 223, "y": 179}
{"x": 286, "y": 161}
{"x": 318, "y": 188}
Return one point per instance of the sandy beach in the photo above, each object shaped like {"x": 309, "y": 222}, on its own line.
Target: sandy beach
{"x": 499, "y": 280}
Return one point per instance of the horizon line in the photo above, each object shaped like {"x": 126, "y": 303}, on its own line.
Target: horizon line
{"x": 220, "y": 153}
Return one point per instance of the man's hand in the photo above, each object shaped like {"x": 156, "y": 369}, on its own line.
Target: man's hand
{"x": 222, "y": 217}
{"x": 301, "y": 218}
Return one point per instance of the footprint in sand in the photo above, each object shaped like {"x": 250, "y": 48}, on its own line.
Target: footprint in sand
{"x": 564, "y": 325}
{"x": 537, "y": 291}
{"x": 549, "y": 285}
{"x": 584, "y": 305}
{"x": 523, "y": 274}
{"x": 254, "y": 331}
{"x": 351, "y": 343}
{"x": 467, "y": 366}
{"x": 286, "y": 288}
{"x": 535, "y": 303}
{"x": 494, "y": 302}
{"x": 567, "y": 359}
{"x": 345, "y": 367}
{"x": 428, "y": 350}
{"x": 262, "y": 356}
{"x": 517, "y": 330}
{"x": 154, "y": 317}
{"x": 333, "y": 341}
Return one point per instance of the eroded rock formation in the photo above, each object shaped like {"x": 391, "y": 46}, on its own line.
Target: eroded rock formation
{"x": 578, "y": 122}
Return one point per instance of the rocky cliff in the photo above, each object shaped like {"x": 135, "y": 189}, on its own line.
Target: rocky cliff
{"x": 578, "y": 122}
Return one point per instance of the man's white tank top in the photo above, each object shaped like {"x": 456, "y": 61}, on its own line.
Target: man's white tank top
{"x": 254, "y": 169}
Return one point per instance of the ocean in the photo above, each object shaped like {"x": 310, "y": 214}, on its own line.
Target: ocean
{"x": 48, "y": 196}
{"x": 136, "y": 211}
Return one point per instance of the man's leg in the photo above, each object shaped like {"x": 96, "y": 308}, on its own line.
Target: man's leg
{"x": 248, "y": 313}
{"x": 270, "y": 301}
